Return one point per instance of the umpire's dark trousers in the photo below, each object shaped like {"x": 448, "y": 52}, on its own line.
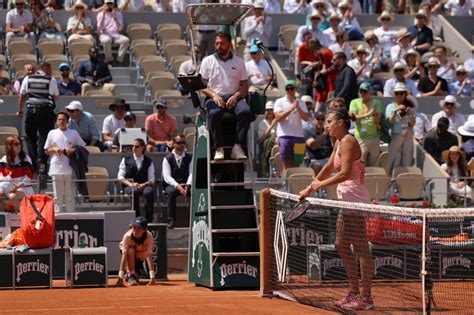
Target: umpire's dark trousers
{"x": 214, "y": 120}
{"x": 147, "y": 194}
{"x": 38, "y": 122}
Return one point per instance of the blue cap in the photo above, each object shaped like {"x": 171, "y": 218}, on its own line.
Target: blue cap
{"x": 64, "y": 64}
{"x": 254, "y": 49}
{"x": 159, "y": 102}
{"x": 140, "y": 222}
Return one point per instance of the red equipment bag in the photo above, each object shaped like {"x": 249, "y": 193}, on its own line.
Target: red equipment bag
{"x": 37, "y": 221}
{"x": 381, "y": 230}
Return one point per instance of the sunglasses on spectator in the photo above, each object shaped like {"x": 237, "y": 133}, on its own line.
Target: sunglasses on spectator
{"x": 363, "y": 91}
{"x": 128, "y": 119}
{"x": 461, "y": 73}
{"x": 448, "y": 104}
{"x": 290, "y": 88}
{"x": 79, "y": 8}
{"x": 399, "y": 70}
{"x": 399, "y": 93}
{"x": 20, "y": 4}
{"x": 64, "y": 69}
{"x": 180, "y": 142}
{"x": 433, "y": 66}
{"x": 319, "y": 118}
{"x": 72, "y": 110}
{"x": 385, "y": 20}
{"x": 320, "y": 6}
{"x": 16, "y": 144}
{"x": 137, "y": 146}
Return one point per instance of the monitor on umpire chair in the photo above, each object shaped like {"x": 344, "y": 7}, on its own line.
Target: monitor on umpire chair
{"x": 127, "y": 135}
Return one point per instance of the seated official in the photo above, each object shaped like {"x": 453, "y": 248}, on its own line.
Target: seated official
{"x": 139, "y": 168}
{"x": 177, "y": 175}
{"x": 227, "y": 86}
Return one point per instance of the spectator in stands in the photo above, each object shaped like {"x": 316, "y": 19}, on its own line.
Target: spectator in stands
{"x": 5, "y": 83}
{"x": 177, "y": 175}
{"x": 141, "y": 170}
{"x": 160, "y": 128}
{"x": 179, "y": 6}
{"x": 398, "y": 52}
{"x": 440, "y": 139}
{"x": 449, "y": 106}
{"x": 130, "y": 122}
{"x": 421, "y": 35}
{"x": 289, "y": 111}
{"x": 422, "y": 126}
{"x": 355, "y": 6}
{"x": 469, "y": 65}
{"x": 67, "y": 86}
{"x": 345, "y": 84}
{"x": 19, "y": 23}
{"x": 401, "y": 114}
{"x": 60, "y": 145}
{"x": 94, "y": 74}
{"x": 259, "y": 73}
{"x": 79, "y": 26}
{"x": 462, "y": 86}
{"x": 16, "y": 173}
{"x": 456, "y": 167}
{"x": 342, "y": 44}
{"x": 28, "y": 69}
{"x": 432, "y": 84}
{"x": 114, "y": 121}
{"x": 206, "y": 36}
{"x": 227, "y": 86}
{"x": 315, "y": 19}
{"x": 296, "y": 7}
{"x": 84, "y": 123}
{"x": 258, "y": 26}
{"x": 337, "y": 102}
{"x": 446, "y": 68}
{"x": 318, "y": 143}
{"x": 467, "y": 136}
{"x": 266, "y": 137}
{"x": 93, "y": 5}
{"x": 364, "y": 70}
{"x": 189, "y": 67}
{"x": 367, "y": 112}
{"x": 272, "y": 6}
{"x": 304, "y": 55}
{"x": 109, "y": 26}
{"x": 44, "y": 23}
{"x": 334, "y": 21}
{"x": 349, "y": 21}
{"x": 132, "y": 5}
{"x": 386, "y": 34}
{"x": 399, "y": 71}
{"x": 415, "y": 70}
{"x": 433, "y": 21}
{"x": 458, "y": 7}
{"x": 376, "y": 54}
{"x": 40, "y": 103}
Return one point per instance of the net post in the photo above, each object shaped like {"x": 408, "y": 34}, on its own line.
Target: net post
{"x": 423, "y": 264}
{"x": 265, "y": 242}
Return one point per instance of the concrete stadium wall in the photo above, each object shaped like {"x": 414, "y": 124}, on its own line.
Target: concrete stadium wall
{"x": 464, "y": 25}
{"x": 456, "y": 36}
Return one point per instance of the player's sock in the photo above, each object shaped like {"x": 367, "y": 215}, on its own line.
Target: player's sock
{"x": 121, "y": 274}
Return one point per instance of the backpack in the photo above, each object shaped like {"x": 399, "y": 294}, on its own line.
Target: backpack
{"x": 37, "y": 221}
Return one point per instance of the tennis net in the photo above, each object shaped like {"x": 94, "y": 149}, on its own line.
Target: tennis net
{"x": 423, "y": 258}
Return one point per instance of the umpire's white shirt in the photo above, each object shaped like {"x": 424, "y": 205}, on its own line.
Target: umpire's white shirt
{"x": 223, "y": 76}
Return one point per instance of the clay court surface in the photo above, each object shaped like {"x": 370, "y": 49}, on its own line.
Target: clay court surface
{"x": 175, "y": 296}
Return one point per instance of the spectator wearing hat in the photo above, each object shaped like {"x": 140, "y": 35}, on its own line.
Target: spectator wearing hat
{"x": 349, "y": 21}
{"x": 422, "y": 123}
{"x": 469, "y": 65}
{"x": 334, "y": 26}
{"x": 365, "y": 70}
{"x": 401, "y": 114}
{"x": 345, "y": 85}
{"x": 398, "y": 52}
{"x": 446, "y": 68}
{"x": 439, "y": 139}
{"x": 130, "y": 122}
{"x": 432, "y": 20}
{"x": 376, "y": 54}
{"x": 272, "y": 6}
{"x": 67, "y": 86}
{"x": 136, "y": 247}
{"x": 289, "y": 112}
{"x": 319, "y": 145}
{"x": 44, "y": 23}
{"x": 114, "y": 121}
{"x": 432, "y": 84}
{"x": 386, "y": 34}
{"x": 462, "y": 86}
{"x": 110, "y": 26}
{"x": 315, "y": 19}
{"x": 94, "y": 74}
{"x": 296, "y": 7}
{"x": 84, "y": 123}
{"x": 456, "y": 167}
{"x": 260, "y": 74}
{"x": 414, "y": 68}
{"x": 79, "y": 26}
{"x": 367, "y": 112}
{"x": 467, "y": 138}
{"x": 449, "y": 106}
{"x": 342, "y": 44}
{"x": 399, "y": 72}
{"x": 321, "y": 7}
{"x": 19, "y": 23}
{"x": 266, "y": 137}
{"x": 160, "y": 128}
{"x": 258, "y": 26}
{"x": 421, "y": 35}
{"x": 140, "y": 169}
{"x": 459, "y": 7}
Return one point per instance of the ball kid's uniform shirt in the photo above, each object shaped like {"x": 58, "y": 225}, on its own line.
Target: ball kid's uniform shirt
{"x": 142, "y": 249}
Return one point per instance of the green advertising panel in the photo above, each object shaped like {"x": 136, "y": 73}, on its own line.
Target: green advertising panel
{"x": 237, "y": 272}
{"x": 73, "y": 229}
{"x": 6, "y": 262}
{"x": 33, "y": 268}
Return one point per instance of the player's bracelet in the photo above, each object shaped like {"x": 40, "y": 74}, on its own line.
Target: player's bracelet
{"x": 152, "y": 275}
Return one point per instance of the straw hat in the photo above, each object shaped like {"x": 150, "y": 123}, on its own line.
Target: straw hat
{"x": 79, "y": 4}
{"x": 315, "y": 2}
{"x": 344, "y": 4}
{"x": 449, "y": 99}
{"x": 402, "y": 34}
{"x": 421, "y": 13}
{"x": 467, "y": 129}
{"x": 316, "y": 15}
{"x": 369, "y": 35}
{"x": 411, "y": 51}
{"x": 307, "y": 99}
{"x": 433, "y": 61}
{"x": 385, "y": 14}
{"x": 361, "y": 48}
{"x": 454, "y": 148}
{"x": 399, "y": 65}
{"x": 400, "y": 87}
{"x": 461, "y": 69}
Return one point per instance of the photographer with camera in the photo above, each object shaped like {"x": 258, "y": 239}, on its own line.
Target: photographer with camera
{"x": 94, "y": 74}
{"x": 401, "y": 115}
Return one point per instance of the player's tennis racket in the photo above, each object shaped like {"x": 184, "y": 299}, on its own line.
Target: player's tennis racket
{"x": 297, "y": 211}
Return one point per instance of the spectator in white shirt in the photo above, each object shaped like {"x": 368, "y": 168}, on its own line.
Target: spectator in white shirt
{"x": 376, "y": 55}
{"x": 114, "y": 121}
{"x": 349, "y": 21}
{"x": 342, "y": 44}
{"x": 449, "y": 106}
{"x": 469, "y": 66}
{"x": 334, "y": 26}
{"x": 258, "y": 26}
{"x": 259, "y": 73}
{"x": 315, "y": 19}
{"x": 272, "y": 6}
{"x": 385, "y": 33}
{"x": 179, "y": 6}
{"x": 19, "y": 23}
{"x": 362, "y": 69}
{"x": 296, "y": 7}
{"x": 79, "y": 26}
{"x": 399, "y": 51}
{"x": 446, "y": 68}
{"x": 463, "y": 85}
{"x": 399, "y": 71}
{"x": 321, "y": 7}
{"x": 459, "y": 7}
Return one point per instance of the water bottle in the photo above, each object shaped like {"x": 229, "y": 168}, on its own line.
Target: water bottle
{"x": 81, "y": 241}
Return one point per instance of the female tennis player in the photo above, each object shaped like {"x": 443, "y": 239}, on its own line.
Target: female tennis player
{"x": 349, "y": 169}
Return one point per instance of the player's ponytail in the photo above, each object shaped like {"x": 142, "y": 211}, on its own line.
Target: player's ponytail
{"x": 341, "y": 113}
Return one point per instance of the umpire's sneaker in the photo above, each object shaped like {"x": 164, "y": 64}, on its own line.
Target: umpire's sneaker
{"x": 238, "y": 153}
{"x": 132, "y": 280}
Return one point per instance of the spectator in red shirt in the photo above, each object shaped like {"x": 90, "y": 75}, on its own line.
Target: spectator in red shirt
{"x": 160, "y": 128}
